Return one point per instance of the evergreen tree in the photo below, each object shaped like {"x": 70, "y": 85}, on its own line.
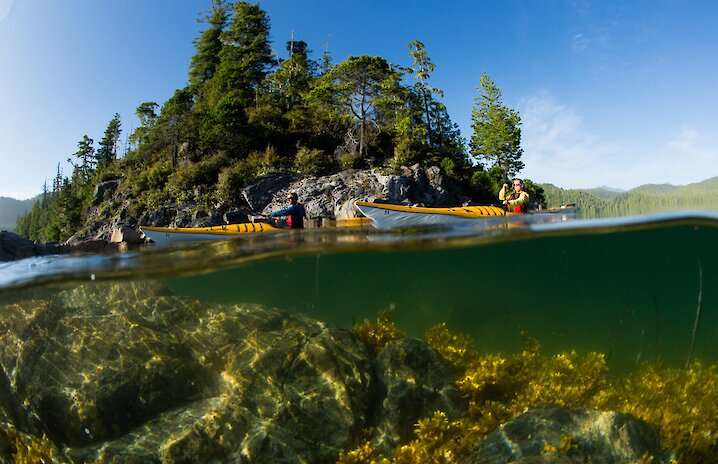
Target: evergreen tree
{"x": 209, "y": 45}
{"x": 85, "y": 155}
{"x": 497, "y": 136}
{"x": 176, "y": 125}
{"x": 292, "y": 79}
{"x": 245, "y": 59}
{"x": 147, "y": 114}
{"x": 422, "y": 68}
{"x": 107, "y": 152}
{"x": 363, "y": 87}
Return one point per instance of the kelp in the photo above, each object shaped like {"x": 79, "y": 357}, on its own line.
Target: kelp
{"x": 679, "y": 402}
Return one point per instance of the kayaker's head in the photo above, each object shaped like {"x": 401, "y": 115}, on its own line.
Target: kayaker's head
{"x": 292, "y": 197}
{"x": 518, "y": 185}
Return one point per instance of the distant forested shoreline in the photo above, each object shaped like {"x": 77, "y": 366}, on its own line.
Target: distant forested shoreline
{"x": 645, "y": 199}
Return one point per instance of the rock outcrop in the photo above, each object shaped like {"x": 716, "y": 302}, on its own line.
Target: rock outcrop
{"x": 327, "y": 197}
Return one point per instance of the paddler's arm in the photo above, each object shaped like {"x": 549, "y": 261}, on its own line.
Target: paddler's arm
{"x": 502, "y": 192}
{"x": 281, "y": 212}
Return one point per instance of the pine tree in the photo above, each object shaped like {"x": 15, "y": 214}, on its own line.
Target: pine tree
{"x": 209, "y": 45}
{"x": 107, "y": 152}
{"x": 497, "y": 133}
{"x": 245, "y": 60}
{"x": 85, "y": 155}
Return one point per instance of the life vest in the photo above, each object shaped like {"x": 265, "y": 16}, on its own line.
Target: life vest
{"x": 295, "y": 219}
{"x": 515, "y": 208}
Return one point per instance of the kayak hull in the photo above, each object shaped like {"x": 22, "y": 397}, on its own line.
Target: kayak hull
{"x": 166, "y": 235}
{"x": 387, "y": 216}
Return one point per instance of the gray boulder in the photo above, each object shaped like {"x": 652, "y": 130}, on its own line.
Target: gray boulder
{"x": 333, "y": 197}
{"x": 413, "y": 381}
{"x": 128, "y": 372}
{"x": 575, "y": 435}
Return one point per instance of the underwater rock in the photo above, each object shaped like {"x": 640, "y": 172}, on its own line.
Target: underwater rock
{"x": 559, "y": 435}
{"x": 413, "y": 381}
{"x": 128, "y": 372}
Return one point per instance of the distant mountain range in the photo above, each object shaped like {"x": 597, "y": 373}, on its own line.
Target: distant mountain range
{"x": 11, "y": 208}
{"x": 646, "y": 199}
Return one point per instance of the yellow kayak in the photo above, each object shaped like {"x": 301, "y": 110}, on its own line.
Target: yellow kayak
{"x": 164, "y": 235}
{"x": 386, "y": 216}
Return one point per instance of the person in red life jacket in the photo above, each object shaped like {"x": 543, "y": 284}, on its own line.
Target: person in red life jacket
{"x": 518, "y": 200}
{"x": 294, "y": 212}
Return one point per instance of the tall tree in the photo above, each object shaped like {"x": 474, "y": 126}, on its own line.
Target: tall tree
{"x": 209, "y": 45}
{"x": 245, "y": 59}
{"x": 107, "y": 152}
{"x": 86, "y": 161}
{"x": 423, "y": 67}
{"x": 497, "y": 132}
{"x": 147, "y": 114}
{"x": 292, "y": 78}
{"x": 361, "y": 86}
{"x": 176, "y": 124}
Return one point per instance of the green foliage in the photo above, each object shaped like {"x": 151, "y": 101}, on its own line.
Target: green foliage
{"x": 191, "y": 180}
{"x": 209, "y": 45}
{"x": 107, "y": 152}
{"x": 497, "y": 135}
{"x": 312, "y": 162}
{"x": 242, "y": 172}
{"x": 485, "y": 185}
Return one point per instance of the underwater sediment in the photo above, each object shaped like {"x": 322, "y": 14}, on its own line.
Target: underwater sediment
{"x": 130, "y": 372}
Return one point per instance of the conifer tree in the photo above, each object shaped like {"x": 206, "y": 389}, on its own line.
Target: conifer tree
{"x": 85, "y": 155}
{"x": 209, "y": 45}
{"x": 497, "y": 133}
{"x": 107, "y": 152}
{"x": 245, "y": 59}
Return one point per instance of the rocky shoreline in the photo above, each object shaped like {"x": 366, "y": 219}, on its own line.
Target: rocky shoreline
{"x": 325, "y": 199}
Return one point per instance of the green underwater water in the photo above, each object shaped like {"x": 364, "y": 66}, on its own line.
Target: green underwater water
{"x": 631, "y": 293}
{"x": 626, "y": 288}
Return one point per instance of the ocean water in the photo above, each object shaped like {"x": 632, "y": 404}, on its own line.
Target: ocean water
{"x": 638, "y": 289}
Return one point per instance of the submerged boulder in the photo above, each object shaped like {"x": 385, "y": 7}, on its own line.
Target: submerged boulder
{"x": 571, "y": 436}
{"x": 129, "y": 372}
{"x": 413, "y": 381}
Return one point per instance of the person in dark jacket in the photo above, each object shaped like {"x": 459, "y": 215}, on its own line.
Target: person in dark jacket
{"x": 294, "y": 212}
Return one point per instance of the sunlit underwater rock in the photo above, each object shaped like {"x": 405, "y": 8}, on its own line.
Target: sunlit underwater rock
{"x": 552, "y": 434}
{"x": 128, "y": 372}
{"x": 413, "y": 381}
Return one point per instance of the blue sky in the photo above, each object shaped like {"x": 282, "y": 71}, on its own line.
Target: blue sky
{"x": 614, "y": 93}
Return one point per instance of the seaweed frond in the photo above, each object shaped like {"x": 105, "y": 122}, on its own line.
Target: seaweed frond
{"x": 377, "y": 334}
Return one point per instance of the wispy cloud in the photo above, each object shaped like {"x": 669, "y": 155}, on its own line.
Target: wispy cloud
{"x": 5, "y": 7}
{"x": 557, "y": 149}
{"x": 691, "y": 155}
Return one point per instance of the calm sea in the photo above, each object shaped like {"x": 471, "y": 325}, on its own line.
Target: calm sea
{"x": 638, "y": 289}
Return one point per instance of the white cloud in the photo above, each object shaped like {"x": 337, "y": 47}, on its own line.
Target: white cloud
{"x": 558, "y": 150}
{"x": 5, "y": 7}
